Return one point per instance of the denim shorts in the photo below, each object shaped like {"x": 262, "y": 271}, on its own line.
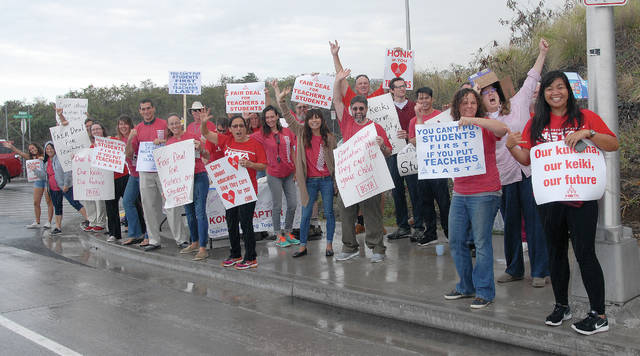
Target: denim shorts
{"x": 40, "y": 183}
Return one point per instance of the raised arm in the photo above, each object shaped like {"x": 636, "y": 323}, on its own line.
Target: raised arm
{"x": 205, "y": 115}
{"x": 335, "y": 48}
{"x": 63, "y": 120}
{"x": 337, "y": 92}
{"x": 10, "y": 146}
{"x": 497, "y": 127}
{"x": 543, "y": 47}
{"x": 281, "y": 98}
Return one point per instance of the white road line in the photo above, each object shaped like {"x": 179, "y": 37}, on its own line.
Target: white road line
{"x": 37, "y": 338}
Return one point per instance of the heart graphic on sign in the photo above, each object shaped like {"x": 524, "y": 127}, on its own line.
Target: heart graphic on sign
{"x": 398, "y": 69}
{"x": 229, "y": 196}
{"x": 234, "y": 161}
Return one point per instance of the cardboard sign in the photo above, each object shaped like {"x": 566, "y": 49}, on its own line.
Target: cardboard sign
{"x": 176, "y": 164}
{"x": 33, "y": 165}
{"x": 361, "y": 170}
{"x": 407, "y": 161}
{"x": 448, "y": 150}
{"x": 245, "y": 97}
{"x": 145, "y": 161}
{"x": 108, "y": 154}
{"x": 559, "y": 173}
{"x": 73, "y": 109}
{"x": 382, "y": 111}
{"x": 69, "y": 140}
{"x": 398, "y": 63}
{"x": 486, "y": 77}
{"x": 232, "y": 181}
{"x": 188, "y": 83}
{"x": 315, "y": 90}
{"x": 579, "y": 86}
{"x": 90, "y": 183}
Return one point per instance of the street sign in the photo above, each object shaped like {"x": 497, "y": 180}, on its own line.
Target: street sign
{"x": 604, "y": 2}
{"x": 23, "y": 115}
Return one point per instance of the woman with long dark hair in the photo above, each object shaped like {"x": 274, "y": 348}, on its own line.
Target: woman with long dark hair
{"x": 559, "y": 118}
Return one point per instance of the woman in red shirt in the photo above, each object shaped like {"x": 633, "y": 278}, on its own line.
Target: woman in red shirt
{"x": 252, "y": 157}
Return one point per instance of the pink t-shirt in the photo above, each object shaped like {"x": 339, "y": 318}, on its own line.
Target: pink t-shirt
{"x": 280, "y": 146}
{"x": 483, "y": 183}
{"x": 412, "y": 124}
{"x": 316, "y": 165}
{"x": 147, "y": 133}
{"x": 199, "y": 168}
{"x": 349, "y": 127}
{"x": 53, "y": 185}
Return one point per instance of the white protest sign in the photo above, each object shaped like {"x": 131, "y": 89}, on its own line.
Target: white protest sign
{"x": 68, "y": 140}
{"x": 407, "y": 161}
{"x": 72, "y": 109}
{"x": 188, "y": 83}
{"x": 444, "y": 116}
{"x": 382, "y": 111}
{"x": 32, "y": 166}
{"x": 559, "y": 173}
{"x": 90, "y": 183}
{"x": 145, "y": 161}
{"x": 108, "y": 154}
{"x": 232, "y": 181}
{"x": 315, "y": 90}
{"x": 361, "y": 170}
{"x": 398, "y": 63}
{"x": 176, "y": 164}
{"x": 448, "y": 150}
{"x": 245, "y": 97}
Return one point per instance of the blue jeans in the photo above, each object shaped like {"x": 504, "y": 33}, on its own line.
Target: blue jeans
{"x": 473, "y": 215}
{"x": 325, "y": 187}
{"x": 197, "y": 211}
{"x": 56, "y": 198}
{"x": 131, "y": 205}
{"x": 400, "y": 199}
{"x": 517, "y": 201}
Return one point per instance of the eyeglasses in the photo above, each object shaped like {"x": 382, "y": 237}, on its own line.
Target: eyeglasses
{"x": 399, "y": 86}
{"x": 358, "y": 108}
{"x": 277, "y": 137}
{"x": 488, "y": 91}
{"x": 238, "y": 126}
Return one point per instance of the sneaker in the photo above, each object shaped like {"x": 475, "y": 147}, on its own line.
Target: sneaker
{"x": 377, "y": 257}
{"x": 416, "y": 236}
{"x": 506, "y": 278}
{"x": 538, "y": 282}
{"x": 112, "y": 239}
{"x": 87, "y": 228}
{"x": 343, "y": 256}
{"x": 592, "y": 324}
{"x": 47, "y": 225}
{"x": 399, "y": 234}
{"x": 246, "y": 265}
{"x": 281, "y": 241}
{"x": 84, "y": 224}
{"x": 201, "y": 255}
{"x": 454, "y": 294}
{"x": 560, "y": 313}
{"x": 359, "y": 228}
{"x": 56, "y": 231}
{"x": 183, "y": 244}
{"x": 231, "y": 261}
{"x": 479, "y": 303}
{"x": 426, "y": 241}
{"x": 33, "y": 225}
{"x": 189, "y": 249}
{"x": 97, "y": 228}
{"x": 292, "y": 239}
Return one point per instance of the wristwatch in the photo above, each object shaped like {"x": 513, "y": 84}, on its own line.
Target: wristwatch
{"x": 592, "y": 133}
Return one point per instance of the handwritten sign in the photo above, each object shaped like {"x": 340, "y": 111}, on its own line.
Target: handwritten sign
{"x": 245, "y": 97}
{"x": 90, "y": 183}
{"x": 108, "y": 154}
{"x": 33, "y": 165}
{"x": 176, "y": 164}
{"x": 407, "y": 161}
{"x": 315, "y": 90}
{"x": 382, "y": 111}
{"x": 231, "y": 181}
{"x": 448, "y": 150}
{"x": 398, "y": 63}
{"x": 188, "y": 83}
{"x": 68, "y": 140}
{"x": 145, "y": 161}
{"x": 559, "y": 173}
{"x": 73, "y": 109}
{"x": 361, "y": 170}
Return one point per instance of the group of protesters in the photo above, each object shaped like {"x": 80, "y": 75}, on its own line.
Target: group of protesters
{"x": 300, "y": 156}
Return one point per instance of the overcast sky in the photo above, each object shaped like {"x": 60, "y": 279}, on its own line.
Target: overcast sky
{"x": 50, "y": 47}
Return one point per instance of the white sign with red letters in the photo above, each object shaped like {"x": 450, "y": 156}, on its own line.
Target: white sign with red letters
{"x": 398, "y": 63}
{"x": 232, "y": 181}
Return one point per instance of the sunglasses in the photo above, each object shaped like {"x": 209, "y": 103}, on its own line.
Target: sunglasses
{"x": 277, "y": 137}
{"x": 358, "y": 108}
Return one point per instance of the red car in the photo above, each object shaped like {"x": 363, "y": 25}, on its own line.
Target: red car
{"x": 10, "y": 166}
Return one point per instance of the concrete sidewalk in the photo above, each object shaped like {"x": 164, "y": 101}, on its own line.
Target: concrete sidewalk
{"x": 409, "y": 285}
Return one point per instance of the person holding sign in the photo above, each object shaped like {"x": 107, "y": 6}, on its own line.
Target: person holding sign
{"x": 153, "y": 129}
{"x": 474, "y": 205}
{"x": 314, "y": 169}
{"x": 194, "y": 127}
{"x": 35, "y": 152}
{"x": 350, "y": 125}
{"x": 251, "y": 156}
{"x": 558, "y": 118}
{"x": 197, "y": 210}
{"x": 278, "y": 143}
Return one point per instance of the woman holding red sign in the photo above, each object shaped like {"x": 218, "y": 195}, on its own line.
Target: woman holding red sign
{"x": 558, "y": 118}
{"x": 251, "y": 156}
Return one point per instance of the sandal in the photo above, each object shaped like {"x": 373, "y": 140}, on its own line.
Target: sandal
{"x": 132, "y": 241}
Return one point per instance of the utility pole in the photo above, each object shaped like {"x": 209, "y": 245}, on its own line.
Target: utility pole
{"x": 406, "y": 6}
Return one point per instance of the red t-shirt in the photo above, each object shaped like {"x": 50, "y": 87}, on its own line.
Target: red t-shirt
{"x": 350, "y": 94}
{"x": 488, "y": 182}
{"x": 349, "y": 127}
{"x": 250, "y": 150}
{"x": 194, "y": 128}
{"x": 556, "y": 131}
{"x": 147, "y": 132}
{"x": 316, "y": 165}
{"x": 218, "y": 151}
{"x": 199, "y": 168}
{"x": 284, "y": 150}
{"x": 412, "y": 124}
{"x": 53, "y": 185}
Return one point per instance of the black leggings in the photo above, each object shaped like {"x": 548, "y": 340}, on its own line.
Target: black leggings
{"x": 242, "y": 215}
{"x": 113, "y": 212}
{"x": 562, "y": 222}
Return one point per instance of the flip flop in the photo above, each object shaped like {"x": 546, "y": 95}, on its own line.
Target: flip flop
{"x": 132, "y": 241}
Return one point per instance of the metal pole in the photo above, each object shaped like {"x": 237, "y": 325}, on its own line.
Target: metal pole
{"x": 406, "y": 6}
{"x": 6, "y": 121}
{"x": 184, "y": 110}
